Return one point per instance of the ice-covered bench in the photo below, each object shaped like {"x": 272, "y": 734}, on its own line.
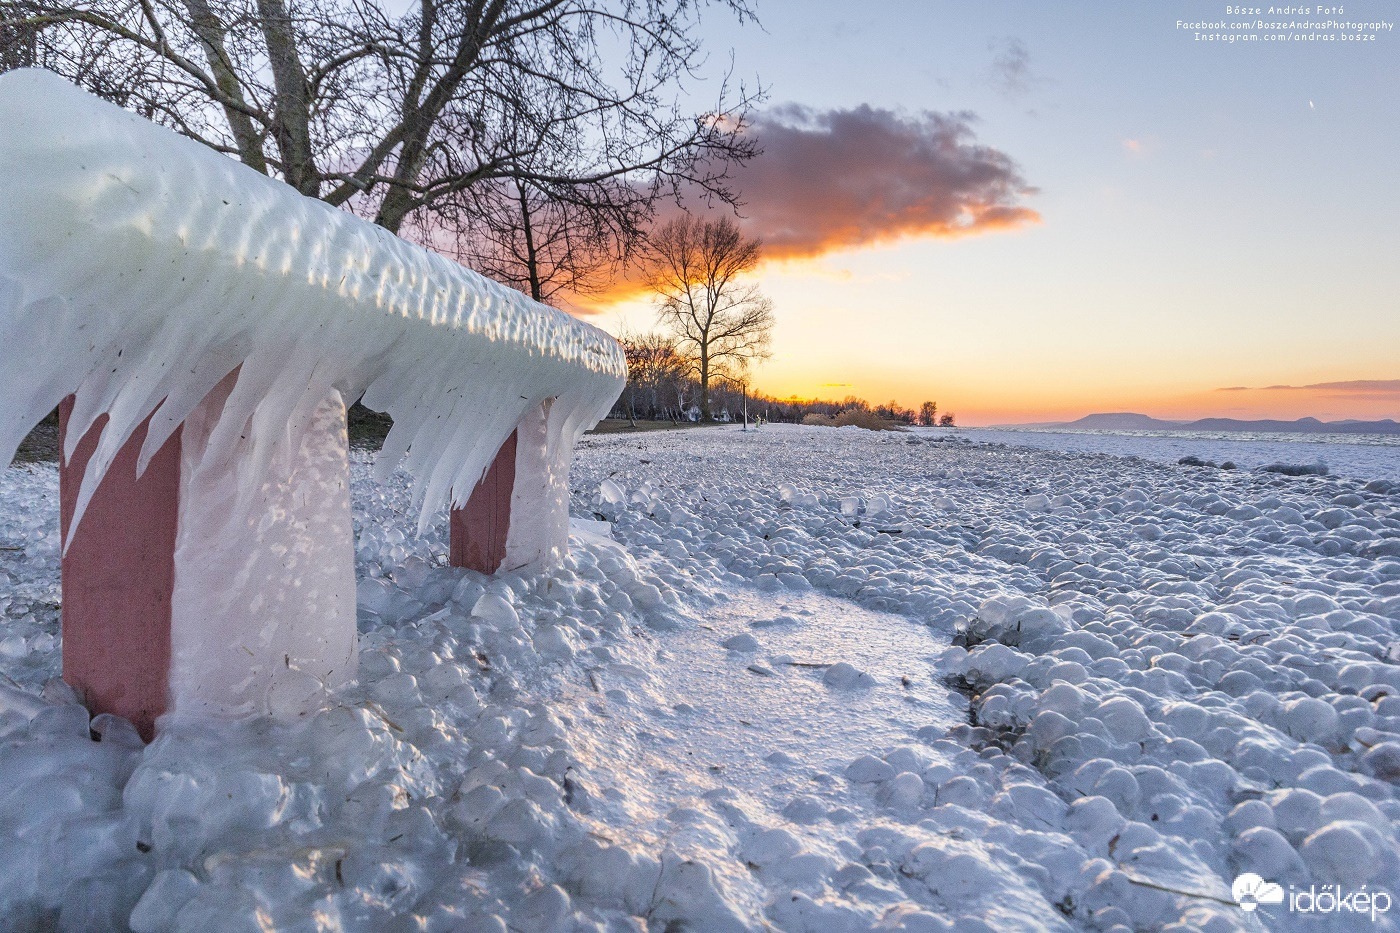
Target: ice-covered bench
{"x": 202, "y": 327}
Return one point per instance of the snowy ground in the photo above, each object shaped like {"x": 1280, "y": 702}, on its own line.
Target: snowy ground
{"x": 821, "y": 680}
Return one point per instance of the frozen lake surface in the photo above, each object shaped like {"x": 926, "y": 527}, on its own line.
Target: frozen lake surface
{"x": 813, "y": 680}
{"x": 1360, "y": 456}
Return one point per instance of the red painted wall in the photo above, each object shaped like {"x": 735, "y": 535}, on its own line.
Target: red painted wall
{"x": 118, "y": 575}
{"x": 477, "y": 534}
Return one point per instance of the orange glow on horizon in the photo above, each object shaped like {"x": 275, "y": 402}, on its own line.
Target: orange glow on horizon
{"x": 1245, "y": 405}
{"x": 962, "y": 384}
{"x": 939, "y": 317}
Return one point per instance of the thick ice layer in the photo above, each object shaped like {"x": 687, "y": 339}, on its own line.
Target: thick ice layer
{"x": 539, "y": 502}
{"x": 267, "y": 625}
{"x": 138, "y": 269}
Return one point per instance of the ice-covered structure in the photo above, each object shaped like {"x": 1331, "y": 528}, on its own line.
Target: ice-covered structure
{"x": 204, "y": 327}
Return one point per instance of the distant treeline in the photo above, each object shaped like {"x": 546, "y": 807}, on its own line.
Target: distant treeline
{"x": 662, "y": 386}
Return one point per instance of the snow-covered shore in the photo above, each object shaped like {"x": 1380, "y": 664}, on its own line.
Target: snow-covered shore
{"x": 818, "y": 680}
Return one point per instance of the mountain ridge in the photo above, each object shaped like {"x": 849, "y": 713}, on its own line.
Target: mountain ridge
{"x": 1132, "y": 421}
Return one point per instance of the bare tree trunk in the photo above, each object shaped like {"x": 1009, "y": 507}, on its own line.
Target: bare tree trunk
{"x": 704, "y": 385}
{"x": 532, "y": 262}
{"x": 399, "y": 197}
{"x": 420, "y": 116}
{"x": 397, "y": 203}
{"x": 211, "y": 37}
{"x": 292, "y": 107}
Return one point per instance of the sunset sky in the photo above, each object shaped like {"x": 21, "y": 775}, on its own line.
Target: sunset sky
{"x": 1032, "y": 211}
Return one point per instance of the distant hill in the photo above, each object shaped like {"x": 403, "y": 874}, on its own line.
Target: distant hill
{"x": 1109, "y": 421}
{"x": 1130, "y": 421}
{"x": 1122, "y": 421}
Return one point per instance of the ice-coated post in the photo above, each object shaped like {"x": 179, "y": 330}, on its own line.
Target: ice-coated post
{"x": 173, "y": 598}
{"x": 138, "y": 269}
{"x": 264, "y": 605}
{"x": 518, "y": 512}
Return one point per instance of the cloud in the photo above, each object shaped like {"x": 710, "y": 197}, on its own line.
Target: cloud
{"x": 832, "y": 180}
{"x": 1383, "y": 391}
{"x": 1387, "y": 386}
{"x": 839, "y": 179}
{"x": 1011, "y": 67}
{"x": 1373, "y": 386}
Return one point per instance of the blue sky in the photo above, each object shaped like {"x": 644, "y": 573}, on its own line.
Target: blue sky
{"x": 1212, "y": 214}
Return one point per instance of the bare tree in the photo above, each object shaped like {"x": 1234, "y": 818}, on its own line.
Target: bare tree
{"x": 654, "y": 370}
{"x": 928, "y": 414}
{"x": 546, "y": 237}
{"x": 720, "y": 323}
{"x": 893, "y": 411}
{"x": 396, "y": 116}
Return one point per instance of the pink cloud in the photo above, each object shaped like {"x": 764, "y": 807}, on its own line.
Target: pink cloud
{"x": 840, "y": 179}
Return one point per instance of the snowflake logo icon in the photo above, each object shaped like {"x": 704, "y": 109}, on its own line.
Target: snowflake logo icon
{"x": 1250, "y": 891}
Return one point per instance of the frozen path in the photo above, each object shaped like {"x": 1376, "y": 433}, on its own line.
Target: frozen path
{"x": 745, "y": 704}
{"x": 741, "y": 742}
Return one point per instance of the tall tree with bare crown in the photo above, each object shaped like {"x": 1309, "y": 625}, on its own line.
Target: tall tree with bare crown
{"x": 721, "y": 323}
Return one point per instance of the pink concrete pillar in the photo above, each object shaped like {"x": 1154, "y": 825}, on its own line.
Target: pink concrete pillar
{"x": 118, "y": 576}
{"x": 176, "y": 599}
{"x": 478, "y": 530}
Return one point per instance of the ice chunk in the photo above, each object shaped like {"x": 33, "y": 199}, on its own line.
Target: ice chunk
{"x": 1308, "y": 719}
{"x": 869, "y": 770}
{"x": 741, "y": 642}
{"x": 1295, "y": 469}
{"x": 493, "y": 609}
{"x": 611, "y": 493}
{"x": 844, "y": 674}
{"x": 1339, "y": 853}
{"x": 155, "y": 912}
{"x": 23, "y": 704}
{"x": 591, "y": 527}
{"x": 1124, "y": 719}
